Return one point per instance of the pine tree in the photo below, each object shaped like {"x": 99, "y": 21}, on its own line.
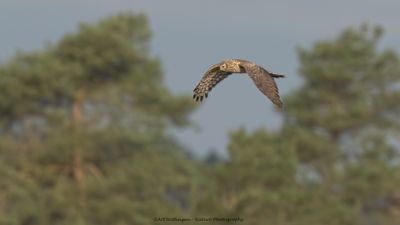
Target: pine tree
{"x": 85, "y": 131}
{"x": 336, "y": 158}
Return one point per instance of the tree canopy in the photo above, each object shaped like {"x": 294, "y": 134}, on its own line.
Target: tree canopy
{"x": 336, "y": 158}
{"x": 84, "y": 129}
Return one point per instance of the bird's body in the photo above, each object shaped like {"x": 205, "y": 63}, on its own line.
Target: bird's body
{"x": 263, "y": 79}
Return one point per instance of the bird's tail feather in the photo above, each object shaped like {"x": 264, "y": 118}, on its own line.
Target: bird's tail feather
{"x": 275, "y": 75}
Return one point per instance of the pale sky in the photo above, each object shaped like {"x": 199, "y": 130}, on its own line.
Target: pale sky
{"x": 189, "y": 36}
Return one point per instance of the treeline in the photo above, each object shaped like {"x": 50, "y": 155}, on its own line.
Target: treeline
{"x": 85, "y": 138}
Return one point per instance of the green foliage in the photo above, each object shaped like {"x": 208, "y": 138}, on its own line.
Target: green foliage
{"x": 85, "y": 131}
{"x": 348, "y": 101}
{"x": 350, "y": 85}
{"x": 336, "y": 158}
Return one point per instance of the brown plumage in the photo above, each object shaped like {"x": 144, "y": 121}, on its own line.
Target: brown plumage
{"x": 263, "y": 79}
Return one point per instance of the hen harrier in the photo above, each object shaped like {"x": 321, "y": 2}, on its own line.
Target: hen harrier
{"x": 263, "y": 79}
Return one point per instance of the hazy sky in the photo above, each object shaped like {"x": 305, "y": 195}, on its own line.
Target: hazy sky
{"x": 189, "y": 36}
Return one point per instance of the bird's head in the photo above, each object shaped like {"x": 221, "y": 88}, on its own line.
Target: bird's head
{"x": 223, "y": 67}
{"x": 231, "y": 66}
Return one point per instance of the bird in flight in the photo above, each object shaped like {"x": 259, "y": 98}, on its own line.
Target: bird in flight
{"x": 263, "y": 79}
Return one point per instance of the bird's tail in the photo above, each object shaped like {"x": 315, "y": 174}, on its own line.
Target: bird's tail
{"x": 275, "y": 75}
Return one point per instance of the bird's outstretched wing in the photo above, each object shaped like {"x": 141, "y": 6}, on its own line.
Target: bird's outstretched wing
{"x": 211, "y": 78}
{"x": 265, "y": 82}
